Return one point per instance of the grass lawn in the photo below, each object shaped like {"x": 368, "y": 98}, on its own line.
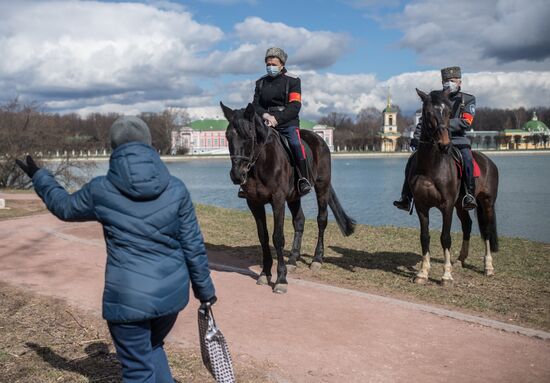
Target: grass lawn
{"x": 384, "y": 260}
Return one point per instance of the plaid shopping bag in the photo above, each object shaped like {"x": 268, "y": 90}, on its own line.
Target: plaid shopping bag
{"x": 214, "y": 350}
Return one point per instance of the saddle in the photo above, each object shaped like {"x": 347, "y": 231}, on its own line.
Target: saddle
{"x": 457, "y": 157}
{"x": 288, "y": 151}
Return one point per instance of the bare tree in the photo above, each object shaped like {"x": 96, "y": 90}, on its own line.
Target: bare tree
{"x": 26, "y": 129}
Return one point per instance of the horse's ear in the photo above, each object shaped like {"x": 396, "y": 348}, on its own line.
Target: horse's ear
{"x": 422, "y": 95}
{"x": 446, "y": 92}
{"x": 249, "y": 112}
{"x": 227, "y": 112}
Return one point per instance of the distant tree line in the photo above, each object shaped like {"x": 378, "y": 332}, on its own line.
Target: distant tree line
{"x": 360, "y": 133}
{"x": 28, "y": 129}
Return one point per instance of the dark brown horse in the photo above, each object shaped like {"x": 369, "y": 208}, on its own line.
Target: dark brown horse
{"x": 260, "y": 164}
{"x": 434, "y": 182}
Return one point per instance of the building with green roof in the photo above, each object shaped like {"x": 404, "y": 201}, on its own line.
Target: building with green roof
{"x": 207, "y": 136}
{"x": 535, "y": 126}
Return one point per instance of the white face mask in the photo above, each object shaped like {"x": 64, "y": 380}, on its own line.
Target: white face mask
{"x": 451, "y": 85}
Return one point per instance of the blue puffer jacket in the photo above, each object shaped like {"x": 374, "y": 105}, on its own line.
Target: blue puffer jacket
{"x": 154, "y": 243}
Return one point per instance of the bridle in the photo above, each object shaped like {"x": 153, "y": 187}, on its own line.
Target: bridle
{"x": 440, "y": 127}
{"x": 253, "y": 158}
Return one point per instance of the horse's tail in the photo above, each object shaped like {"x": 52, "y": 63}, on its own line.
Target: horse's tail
{"x": 488, "y": 225}
{"x": 345, "y": 223}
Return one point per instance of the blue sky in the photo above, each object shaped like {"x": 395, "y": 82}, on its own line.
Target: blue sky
{"x": 370, "y": 39}
{"x": 145, "y": 56}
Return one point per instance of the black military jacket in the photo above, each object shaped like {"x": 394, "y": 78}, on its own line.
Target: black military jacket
{"x": 280, "y": 96}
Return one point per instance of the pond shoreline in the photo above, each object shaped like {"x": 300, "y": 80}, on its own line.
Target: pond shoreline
{"x": 334, "y": 155}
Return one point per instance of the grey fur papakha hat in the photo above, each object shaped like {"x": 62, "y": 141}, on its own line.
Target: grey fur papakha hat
{"x": 127, "y": 129}
{"x": 450, "y": 72}
{"x": 276, "y": 52}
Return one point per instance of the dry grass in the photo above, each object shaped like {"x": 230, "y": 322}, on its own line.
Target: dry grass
{"x": 384, "y": 260}
{"x": 44, "y": 340}
{"x": 21, "y": 208}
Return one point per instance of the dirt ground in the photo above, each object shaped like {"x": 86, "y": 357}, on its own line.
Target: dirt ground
{"x": 315, "y": 333}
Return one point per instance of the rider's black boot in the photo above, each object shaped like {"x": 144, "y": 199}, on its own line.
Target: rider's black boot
{"x": 304, "y": 186}
{"x": 406, "y": 197}
{"x": 404, "y": 203}
{"x": 241, "y": 193}
{"x": 469, "y": 201}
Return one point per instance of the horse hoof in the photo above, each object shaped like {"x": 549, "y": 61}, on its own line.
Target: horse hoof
{"x": 262, "y": 280}
{"x": 447, "y": 282}
{"x": 291, "y": 268}
{"x": 280, "y": 288}
{"x": 459, "y": 263}
{"x": 420, "y": 280}
{"x": 489, "y": 272}
{"x": 315, "y": 266}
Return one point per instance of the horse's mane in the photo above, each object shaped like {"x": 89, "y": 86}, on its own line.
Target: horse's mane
{"x": 244, "y": 129}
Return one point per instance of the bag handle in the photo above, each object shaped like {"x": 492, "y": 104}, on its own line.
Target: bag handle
{"x": 213, "y": 330}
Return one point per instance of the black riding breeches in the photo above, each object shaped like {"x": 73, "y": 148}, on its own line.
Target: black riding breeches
{"x": 292, "y": 134}
{"x": 406, "y": 190}
{"x": 468, "y": 165}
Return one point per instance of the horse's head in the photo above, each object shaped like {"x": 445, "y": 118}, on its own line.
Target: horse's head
{"x": 246, "y": 135}
{"x": 436, "y": 114}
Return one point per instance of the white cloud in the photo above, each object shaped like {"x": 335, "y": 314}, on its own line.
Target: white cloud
{"x": 110, "y": 46}
{"x": 323, "y": 93}
{"x": 306, "y": 49}
{"x": 493, "y": 35}
{"x": 90, "y": 52}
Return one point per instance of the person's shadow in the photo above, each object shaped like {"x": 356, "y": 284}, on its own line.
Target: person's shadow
{"x": 98, "y": 365}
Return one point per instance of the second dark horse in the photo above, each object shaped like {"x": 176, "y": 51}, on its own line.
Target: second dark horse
{"x": 434, "y": 182}
{"x": 260, "y": 164}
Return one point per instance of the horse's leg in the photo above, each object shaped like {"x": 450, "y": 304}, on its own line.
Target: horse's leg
{"x": 298, "y": 220}
{"x": 258, "y": 211}
{"x": 424, "y": 218}
{"x": 466, "y": 223}
{"x": 447, "y": 213}
{"x": 278, "y": 205}
{"x": 487, "y": 227}
{"x": 323, "y": 194}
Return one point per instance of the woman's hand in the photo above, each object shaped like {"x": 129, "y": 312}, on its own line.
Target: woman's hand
{"x": 29, "y": 166}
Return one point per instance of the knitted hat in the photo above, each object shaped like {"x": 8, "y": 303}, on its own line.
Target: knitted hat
{"x": 276, "y": 52}
{"x": 127, "y": 129}
{"x": 450, "y": 72}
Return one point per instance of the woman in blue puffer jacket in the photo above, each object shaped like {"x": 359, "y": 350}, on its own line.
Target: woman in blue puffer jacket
{"x": 154, "y": 246}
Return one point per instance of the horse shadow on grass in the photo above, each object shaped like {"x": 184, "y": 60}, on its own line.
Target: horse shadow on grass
{"x": 240, "y": 259}
{"x": 402, "y": 264}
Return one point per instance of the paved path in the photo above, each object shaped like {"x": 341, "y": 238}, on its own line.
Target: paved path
{"x": 315, "y": 333}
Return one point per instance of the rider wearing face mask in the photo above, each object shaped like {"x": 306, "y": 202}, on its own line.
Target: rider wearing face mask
{"x": 278, "y": 99}
{"x": 463, "y": 108}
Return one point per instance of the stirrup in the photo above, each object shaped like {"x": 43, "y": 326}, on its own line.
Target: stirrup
{"x": 304, "y": 186}
{"x": 472, "y": 204}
